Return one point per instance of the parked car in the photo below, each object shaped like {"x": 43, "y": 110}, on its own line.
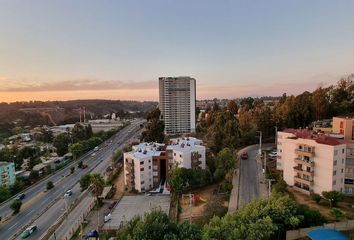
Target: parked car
{"x": 244, "y": 155}
{"x": 272, "y": 154}
{"x": 28, "y": 231}
{"x": 20, "y": 196}
{"x": 68, "y": 193}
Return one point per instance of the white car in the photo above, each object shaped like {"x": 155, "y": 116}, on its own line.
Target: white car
{"x": 68, "y": 193}
{"x": 273, "y": 154}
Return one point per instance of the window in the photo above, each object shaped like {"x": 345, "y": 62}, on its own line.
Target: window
{"x": 180, "y": 155}
{"x": 342, "y": 160}
{"x": 343, "y": 150}
{"x": 142, "y": 182}
{"x": 334, "y": 182}
{"x": 342, "y": 170}
{"x": 335, "y": 163}
{"x": 142, "y": 162}
{"x": 174, "y": 154}
{"x": 334, "y": 172}
{"x": 341, "y": 124}
{"x": 150, "y": 167}
{"x": 335, "y": 152}
{"x": 142, "y": 169}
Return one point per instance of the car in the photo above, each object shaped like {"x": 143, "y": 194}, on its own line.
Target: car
{"x": 68, "y": 193}
{"x": 28, "y": 231}
{"x": 272, "y": 154}
{"x": 244, "y": 155}
{"x": 20, "y": 196}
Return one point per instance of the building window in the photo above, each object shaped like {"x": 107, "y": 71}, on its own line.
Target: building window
{"x": 342, "y": 160}
{"x": 142, "y": 169}
{"x": 180, "y": 155}
{"x": 334, "y": 172}
{"x": 142, "y": 182}
{"x": 342, "y": 170}
{"x": 335, "y": 152}
{"x": 150, "y": 167}
{"x": 341, "y": 124}
{"x": 334, "y": 182}
{"x": 142, "y": 162}
{"x": 343, "y": 150}
{"x": 335, "y": 163}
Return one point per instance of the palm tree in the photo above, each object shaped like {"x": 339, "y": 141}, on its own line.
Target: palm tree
{"x": 97, "y": 183}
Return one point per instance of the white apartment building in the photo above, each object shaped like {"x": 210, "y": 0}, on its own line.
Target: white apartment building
{"x": 177, "y": 102}
{"x": 148, "y": 164}
{"x": 187, "y": 152}
{"x": 311, "y": 162}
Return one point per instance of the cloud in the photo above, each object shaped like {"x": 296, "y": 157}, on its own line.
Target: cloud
{"x": 73, "y": 85}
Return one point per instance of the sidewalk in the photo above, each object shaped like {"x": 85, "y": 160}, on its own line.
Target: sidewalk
{"x": 233, "y": 203}
{"x": 263, "y": 185}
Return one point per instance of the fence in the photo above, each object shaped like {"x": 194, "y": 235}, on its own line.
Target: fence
{"x": 302, "y": 232}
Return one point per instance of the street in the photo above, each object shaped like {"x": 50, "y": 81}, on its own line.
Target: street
{"x": 37, "y": 202}
{"x": 249, "y": 180}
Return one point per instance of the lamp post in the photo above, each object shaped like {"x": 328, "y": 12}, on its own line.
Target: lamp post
{"x": 269, "y": 186}
{"x": 265, "y": 163}
{"x": 260, "y": 143}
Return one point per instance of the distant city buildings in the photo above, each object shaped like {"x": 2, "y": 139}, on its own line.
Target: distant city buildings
{"x": 147, "y": 166}
{"x": 177, "y": 103}
{"x": 7, "y": 174}
{"x": 316, "y": 161}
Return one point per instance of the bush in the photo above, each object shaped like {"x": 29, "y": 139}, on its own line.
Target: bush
{"x": 336, "y": 213}
{"x": 280, "y": 186}
{"x": 50, "y": 185}
{"x": 333, "y": 197}
{"x": 16, "y": 206}
{"x": 315, "y": 197}
{"x": 311, "y": 217}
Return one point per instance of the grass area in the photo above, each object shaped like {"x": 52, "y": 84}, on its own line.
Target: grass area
{"x": 210, "y": 204}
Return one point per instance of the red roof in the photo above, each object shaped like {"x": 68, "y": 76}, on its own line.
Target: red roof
{"x": 320, "y": 138}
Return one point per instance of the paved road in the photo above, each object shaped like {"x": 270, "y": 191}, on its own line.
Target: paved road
{"x": 76, "y": 215}
{"x": 37, "y": 201}
{"x": 249, "y": 177}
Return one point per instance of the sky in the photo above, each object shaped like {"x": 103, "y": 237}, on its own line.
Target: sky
{"x": 113, "y": 49}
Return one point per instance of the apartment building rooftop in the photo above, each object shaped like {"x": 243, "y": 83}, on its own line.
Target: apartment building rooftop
{"x": 320, "y": 138}
{"x": 147, "y": 149}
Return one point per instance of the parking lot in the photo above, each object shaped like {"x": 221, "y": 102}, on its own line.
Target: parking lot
{"x": 130, "y": 206}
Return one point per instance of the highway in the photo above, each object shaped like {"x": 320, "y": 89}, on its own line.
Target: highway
{"x": 39, "y": 202}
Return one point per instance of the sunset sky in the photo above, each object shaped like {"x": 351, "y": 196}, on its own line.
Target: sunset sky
{"x": 112, "y": 49}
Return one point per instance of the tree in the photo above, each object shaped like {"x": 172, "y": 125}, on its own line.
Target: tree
{"x": 50, "y": 185}
{"x": 85, "y": 181}
{"x": 79, "y": 164}
{"x": 97, "y": 183}
{"x": 157, "y": 225}
{"x": 4, "y": 193}
{"x": 155, "y": 128}
{"x": 280, "y": 186}
{"x": 336, "y": 213}
{"x": 34, "y": 175}
{"x": 77, "y": 149}
{"x": 232, "y": 107}
{"x": 260, "y": 219}
{"x": 16, "y": 206}
{"x": 315, "y": 197}
{"x": 333, "y": 197}
{"x": 61, "y": 143}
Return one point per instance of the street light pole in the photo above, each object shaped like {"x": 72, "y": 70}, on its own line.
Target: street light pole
{"x": 260, "y": 143}
{"x": 265, "y": 163}
{"x": 269, "y": 186}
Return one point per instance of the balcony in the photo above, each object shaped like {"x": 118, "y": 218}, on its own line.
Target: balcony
{"x": 302, "y": 171}
{"x": 301, "y": 189}
{"x": 303, "y": 152}
{"x": 306, "y": 163}
{"x": 130, "y": 175}
{"x": 303, "y": 180}
{"x": 129, "y": 166}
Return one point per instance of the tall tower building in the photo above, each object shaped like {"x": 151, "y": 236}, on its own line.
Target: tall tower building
{"x": 177, "y": 104}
